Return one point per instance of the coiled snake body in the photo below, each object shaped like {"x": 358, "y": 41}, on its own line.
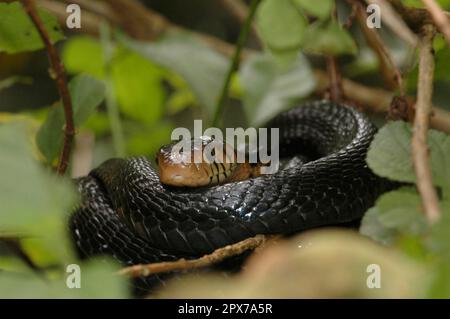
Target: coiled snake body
{"x": 127, "y": 213}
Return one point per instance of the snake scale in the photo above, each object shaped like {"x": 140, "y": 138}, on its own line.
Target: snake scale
{"x": 127, "y": 213}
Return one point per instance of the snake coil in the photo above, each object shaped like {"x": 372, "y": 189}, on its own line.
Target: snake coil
{"x": 127, "y": 213}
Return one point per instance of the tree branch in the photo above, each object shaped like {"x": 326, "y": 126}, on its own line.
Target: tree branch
{"x": 58, "y": 71}
{"x": 439, "y": 17}
{"x": 389, "y": 69}
{"x": 182, "y": 264}
{"x": 420, "y": 151}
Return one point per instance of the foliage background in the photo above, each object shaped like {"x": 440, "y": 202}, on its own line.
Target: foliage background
{"x": 129, "y": 93}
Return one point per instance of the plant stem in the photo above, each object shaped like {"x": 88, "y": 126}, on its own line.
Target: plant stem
{"x": 61, "y": 82}
{"x": 111, "y": 102}
{"x": 420, "y": 151}
{"x": 245, "y": 30}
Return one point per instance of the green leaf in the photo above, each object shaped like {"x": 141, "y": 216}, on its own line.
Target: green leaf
{"x": 328, "y": 39}
{"x": 439, "y": 243}
{"x": 318, "y": 8}
{"x": 18, "y": 33}
{"x": 268, "y": 91}
{"x": 281, "y": 25}
{"x": 137, "y": 82}
{"x": 138, "y": 87}
{"x": 390, "y": 154}
{"x": 98, "y": 280}
{"x": 87, "y": 94}
{"x": 201, "y": 67}
{"x": 84, "y": 54}
{"x": 395, "y": 213}
{"x": 33, "y": 202}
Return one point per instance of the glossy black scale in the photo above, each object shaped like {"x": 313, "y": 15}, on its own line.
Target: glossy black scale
{"x": 127, "y": 213}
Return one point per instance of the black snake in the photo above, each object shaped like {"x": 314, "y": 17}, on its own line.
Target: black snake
{"x": 127, "y": 213}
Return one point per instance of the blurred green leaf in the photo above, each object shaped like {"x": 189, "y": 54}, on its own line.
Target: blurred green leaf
{"x": 201, "y": 67}
{"x": 395, "y": 213}
{"x": 18, "y": 33}
{"x": 33, "y": 202}
{"x": 87, "y": 94}
{"x": 390, "y": 154}
{"x": 328, "y": 39}
{"x": 98, "y": 280}
{"x": 439, "y": 243}
{"x": 318, "y": 8}
{"x": 148, "y": 140}
{"x": 83, "y": 54}
{"x": 281, "y": 25}
{"x": 137, "y": 82}
{"x": 268, "y": 91}
{"x": 138, "y": 87}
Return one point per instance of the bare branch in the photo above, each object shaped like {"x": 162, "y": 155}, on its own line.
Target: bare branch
{"x": 439, "y": 17}
{"x": 391, "y": 73}
{"x": 58, "y": 71}
{"x": 420, "y": 151}
{"x": 377, "y": 100}
{"x": 395, "y": 21}
{"x": 182, "y": 264}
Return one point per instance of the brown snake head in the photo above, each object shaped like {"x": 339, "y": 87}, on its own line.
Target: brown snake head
{"x": 202, "y": 161}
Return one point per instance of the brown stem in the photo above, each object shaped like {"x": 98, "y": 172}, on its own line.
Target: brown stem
{"x": 335, "y": 89}
{"x": 58, "y": 71}
{"x": 377, "y": 100}
{"x": 439, "y": 17}
{"x": 207, "y": 260}
{"x": 420, "y": 152}
{"x": 389, "y": 69}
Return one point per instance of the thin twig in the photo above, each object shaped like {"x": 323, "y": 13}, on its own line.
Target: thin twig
{"x": 377, "y": 100}
{"x": 391, "y": 73}
{"x": 335, "y": 89}
{"x": 239, "y": 9}
{"x": 420, "y": 151}
{"x": 234, "y": 62}
{"x": 182, "y": 264}
{"x": 58, "y": 71}
{"x": 440, "y": 19}
{"x": 393, "y": 19}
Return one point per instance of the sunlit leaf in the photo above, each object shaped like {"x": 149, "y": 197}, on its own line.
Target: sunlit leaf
{"x": 203, "y": 68}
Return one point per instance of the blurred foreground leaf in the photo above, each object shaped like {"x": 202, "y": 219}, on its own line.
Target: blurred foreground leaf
{"x": 18, "y": 33}
{"x": 98, "y": 280}
{"x": 34, "y": 202}
{"x": 317, "y": 264}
